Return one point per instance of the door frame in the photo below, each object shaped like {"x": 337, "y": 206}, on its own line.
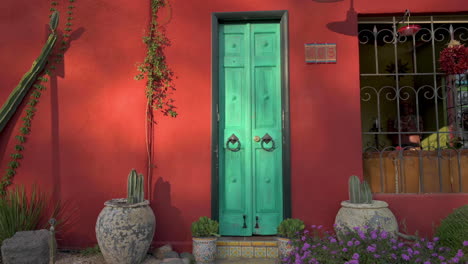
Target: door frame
{"x": 280, "y": 16}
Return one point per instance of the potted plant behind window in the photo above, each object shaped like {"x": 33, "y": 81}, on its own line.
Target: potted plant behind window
{"x": 288, "y": 229}
{"x": 125, "y": 227}
{"x": 204, "y": 236}
{"x": 363, "y": 212}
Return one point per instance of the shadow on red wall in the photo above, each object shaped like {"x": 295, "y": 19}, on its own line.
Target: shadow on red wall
{"x": 169, "y": 221}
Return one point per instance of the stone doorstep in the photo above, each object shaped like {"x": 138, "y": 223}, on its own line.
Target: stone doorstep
{"x": 247, "y": 247}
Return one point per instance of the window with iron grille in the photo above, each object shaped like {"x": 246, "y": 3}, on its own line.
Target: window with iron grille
{"x": 414, "y": 116}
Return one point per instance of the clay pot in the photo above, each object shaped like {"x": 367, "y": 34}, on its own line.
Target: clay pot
{"x": 204, "y": 249}
{"x": 125, "y": 231}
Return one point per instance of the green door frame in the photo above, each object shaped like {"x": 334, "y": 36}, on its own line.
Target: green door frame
{"x": 282, "y": 17}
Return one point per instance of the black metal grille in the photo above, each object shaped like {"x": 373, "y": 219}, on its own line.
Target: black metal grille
{"x": 414, "y": 117}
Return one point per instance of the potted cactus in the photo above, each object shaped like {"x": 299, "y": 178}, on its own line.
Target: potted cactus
{"x": 125, "y": 227}
{"x": 288, "y": 229}
{"x": 364, "y": 212}
{"x": 204, "y": 237}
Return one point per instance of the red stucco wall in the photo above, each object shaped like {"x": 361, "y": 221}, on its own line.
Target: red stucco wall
{"x": 89, "y": 129}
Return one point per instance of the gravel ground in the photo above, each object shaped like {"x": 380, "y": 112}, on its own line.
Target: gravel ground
{"x": 76, "y": 258}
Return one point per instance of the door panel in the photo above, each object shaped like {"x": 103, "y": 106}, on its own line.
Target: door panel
{"x": 268, "y": 201}
{"x": 235, "y": 186}
{"x": 250, "y": 105}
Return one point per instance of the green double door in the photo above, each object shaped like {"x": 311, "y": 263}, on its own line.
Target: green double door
{"x": 250, "y": 129}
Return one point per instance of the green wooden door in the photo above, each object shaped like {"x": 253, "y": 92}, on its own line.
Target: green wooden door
{"x": 250, "y": 123}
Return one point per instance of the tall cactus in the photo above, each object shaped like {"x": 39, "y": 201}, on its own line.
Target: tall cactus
{"x": 17, "y": 95}
{"x": 359, "y": 193}
{"x": 135, "y": 187}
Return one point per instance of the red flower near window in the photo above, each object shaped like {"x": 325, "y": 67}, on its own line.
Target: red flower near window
{"x": 454, "y": 58}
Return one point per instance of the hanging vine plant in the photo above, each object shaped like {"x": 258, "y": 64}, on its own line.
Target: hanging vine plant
{"x": 42, "y": 68}
{"x": 454, "y": 58}
{"x": 159, "y": 78}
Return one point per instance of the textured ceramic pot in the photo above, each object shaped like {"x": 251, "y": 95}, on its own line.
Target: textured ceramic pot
{"x": 284, "y": 247}
{"x": 374, "y": 215}
{"x": 204, "y": 249}
{"x": 124, "y": 231}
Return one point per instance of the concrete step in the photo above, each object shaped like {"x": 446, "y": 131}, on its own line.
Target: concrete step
{"x": 265, "y": 247}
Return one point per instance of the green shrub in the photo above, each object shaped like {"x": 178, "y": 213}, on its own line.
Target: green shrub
{"x": 290, "y": 227}
{"x": 20, "y": 212}
{"x": 453, "y": 230}
{"x": 205, "y": 227}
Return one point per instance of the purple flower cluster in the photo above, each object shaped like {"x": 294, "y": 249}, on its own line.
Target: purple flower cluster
{"x": 366, "y": 246}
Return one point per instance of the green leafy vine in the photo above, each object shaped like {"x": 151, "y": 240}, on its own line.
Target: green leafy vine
{"x": 159, "y": 78}
{"x": 38, "y": 88}
{"x": 158, "y": 75}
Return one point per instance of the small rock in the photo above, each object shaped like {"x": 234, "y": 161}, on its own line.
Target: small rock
{"x": 159, "y": 252}
{"x": 186, "y": 255}
{"x": 172, "y": 261}
{"x": 171, "y": 254}
{"x": 27, "y": 247}
{"x": 187, "y": 258}
{"x": 151, "y": 260}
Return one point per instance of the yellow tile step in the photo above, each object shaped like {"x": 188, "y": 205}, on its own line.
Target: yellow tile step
{"x": 247, "y": 247}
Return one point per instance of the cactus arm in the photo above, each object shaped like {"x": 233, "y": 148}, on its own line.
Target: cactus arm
{"x": 140, "y": 188}
{"x": 131, "y": 186}
{"x": 17, "y": 95}
{"x": 54, "y": 20}
{"x": 354, "y": 189}
{"x": 367, "y": 193}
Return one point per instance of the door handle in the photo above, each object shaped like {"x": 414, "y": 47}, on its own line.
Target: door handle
{"x": 267, "y": 139}
{"x": 233, "y": 139}
{"x": 245, "y": 224}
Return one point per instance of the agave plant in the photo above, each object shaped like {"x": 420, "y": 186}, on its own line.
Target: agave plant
{"x": 19, "y": 211}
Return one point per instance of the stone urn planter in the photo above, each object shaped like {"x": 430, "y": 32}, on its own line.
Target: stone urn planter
{"x": 204, "y": 249}
{"x": 125, "y": 227}
{"x": 374, "y": 215}
{"x": 124, "y": 231}
{"x": 363, "y": 212}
